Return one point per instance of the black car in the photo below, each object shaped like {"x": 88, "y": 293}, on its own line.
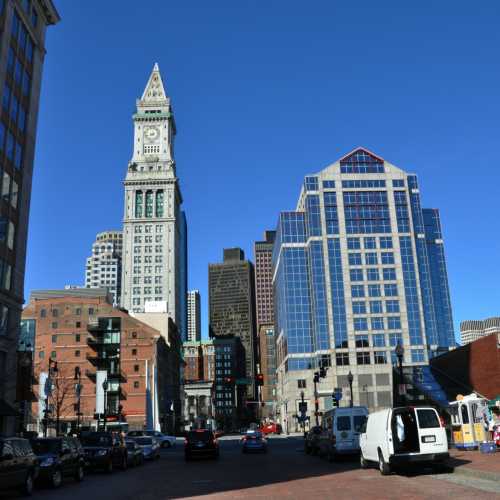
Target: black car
{"x": 134, "y": 453}
{"x": 18, "y": 465}
{"x": 311, "y": 441}
{"x": 201, "y": 443}
{"x": 104, "y": 450}
{"x": 59, "y": 457}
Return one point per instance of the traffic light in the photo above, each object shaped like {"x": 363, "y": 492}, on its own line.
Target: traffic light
{"x": 316, "y": 377}
{"x": 259, "y": 379}
{"x": 228, "y": 380}
{"x": 335, "y": 402}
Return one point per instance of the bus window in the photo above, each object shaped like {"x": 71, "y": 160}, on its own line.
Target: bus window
{"x": 465, "y": 414}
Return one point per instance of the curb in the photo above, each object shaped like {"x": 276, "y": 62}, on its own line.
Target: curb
{"x": 480, "y": 474}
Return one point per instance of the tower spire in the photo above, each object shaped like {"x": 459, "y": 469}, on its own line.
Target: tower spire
{"x": 154, "y": 91}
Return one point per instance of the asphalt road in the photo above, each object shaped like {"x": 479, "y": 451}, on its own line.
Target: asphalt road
{"x": 284, "y": 472}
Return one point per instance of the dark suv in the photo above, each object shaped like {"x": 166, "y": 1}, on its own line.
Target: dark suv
{"x": 18, "y": 465}
{"x": 59, "y": 457}
{"x": 199, "y": 443}
{"x": 311, "y": 441}
{"x": 104, "y": 450}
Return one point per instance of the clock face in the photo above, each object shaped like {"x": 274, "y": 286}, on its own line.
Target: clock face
{"x": 152, "y": 133}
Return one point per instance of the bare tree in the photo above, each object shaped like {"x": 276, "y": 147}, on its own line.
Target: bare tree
{"x": 61, "y": 398}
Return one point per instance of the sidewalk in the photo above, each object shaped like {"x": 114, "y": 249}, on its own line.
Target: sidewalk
{"x": 476, "y": 464}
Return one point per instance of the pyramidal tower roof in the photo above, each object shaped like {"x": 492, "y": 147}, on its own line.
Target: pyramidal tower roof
{"x": 154, "y": 93}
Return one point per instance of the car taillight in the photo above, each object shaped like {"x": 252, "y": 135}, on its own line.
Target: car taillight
{"x": 185, "y": 441}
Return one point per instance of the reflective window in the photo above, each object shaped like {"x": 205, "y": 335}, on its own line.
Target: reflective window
{"x": 375, "y": 306}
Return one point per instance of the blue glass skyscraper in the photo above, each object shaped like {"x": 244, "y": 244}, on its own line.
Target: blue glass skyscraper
{"x": 358, "y": 268}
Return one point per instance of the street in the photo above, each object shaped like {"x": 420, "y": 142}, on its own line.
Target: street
{"x": 284, "y": 472}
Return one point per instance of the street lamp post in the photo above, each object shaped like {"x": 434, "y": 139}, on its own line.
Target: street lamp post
{"x": 400, "y": 353}
{"x": 78, "y": 392}
{"x": 316, "y": 401}
{"x": 350, "y": 378}
{"x": 105, "y": 388}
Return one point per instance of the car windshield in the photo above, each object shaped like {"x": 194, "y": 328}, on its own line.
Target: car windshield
{"x": 152, "y": 433}
{"x": 43, "y": 446}
{"x": 199, "y": 436}
{"x": 254, "y": 435}
{"x": 144, "y": 441}
{"x": 96, "y": 440}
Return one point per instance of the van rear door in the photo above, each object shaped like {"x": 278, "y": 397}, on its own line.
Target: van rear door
{"x": 344, "y": 433}
{"x": 431, "y": 436}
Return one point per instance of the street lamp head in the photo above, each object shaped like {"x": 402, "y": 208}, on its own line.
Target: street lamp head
{"x": 105, "y": 385}
{"x": 350, "y": 377}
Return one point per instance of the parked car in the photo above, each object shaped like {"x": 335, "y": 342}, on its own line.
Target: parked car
{"x": 149, "y": 446}
{"x": 104, "y": 450}
{"x": 399, "y": 436}
{"x": 59, "y": 457}
{"x": 164, "y": 440}
{"x": 253, "y": 441}
{"x": 340, "y": 431}
{"x": 134, "y": 453}
{"x": 271, "y": 428}
{"x": 311, "y": 441}
{"x": 18, "y": 465}
{"x": 201, "y": 443}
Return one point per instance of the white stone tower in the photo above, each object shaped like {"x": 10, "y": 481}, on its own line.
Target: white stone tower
{"x": 151, "y": 280}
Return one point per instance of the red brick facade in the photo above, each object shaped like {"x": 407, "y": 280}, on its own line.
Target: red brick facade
{"x": 472, "y": 367}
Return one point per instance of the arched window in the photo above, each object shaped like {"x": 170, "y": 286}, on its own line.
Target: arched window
{"x": 159, "y": 203}
{"x": 149, "y": 204}
{"x": 139, "y": 202}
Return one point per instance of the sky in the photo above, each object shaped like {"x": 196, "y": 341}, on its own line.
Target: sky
{"x": 265, "y": 92}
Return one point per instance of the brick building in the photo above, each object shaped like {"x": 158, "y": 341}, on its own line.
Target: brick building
{"x": 199, "y": 359}
{"x": 474, "y": 367}
{"x": 81, "y": 328}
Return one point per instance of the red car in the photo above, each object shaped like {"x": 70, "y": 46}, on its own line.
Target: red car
{"x": 271, "y": 428}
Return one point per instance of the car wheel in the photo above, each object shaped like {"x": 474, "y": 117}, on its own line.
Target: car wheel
{"x": 109, "y": 467}
{"x": 166, "y": 444}
{"x": 28, "y": 485}
{"x": 79, "y": 473}
{"x": 56, "y": 478}
{"x": 124, "y": 463}
{"x": 383, "y": 467}
{"x": 362, "y": 462}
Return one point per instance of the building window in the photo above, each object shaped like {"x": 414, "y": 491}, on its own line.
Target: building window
{"x": 389, "y": 274}
{"x": 134, "y": 335}
{"x": 380, "y": 357}
{"x": 370, "y": 242}
{"x": 391, "y": 290}
{"x": 356, "y": 274}
{"x": 54, "y": 324}
{"x": 394, "y": 323}
{"x": 159, "y": 203}
{"x": 53, "y": 354}
{"x": 372, "y": 274}
{"x": 136, "y": 385}
{"x": 358, "y": 308}
{"x": 363, "y": 358}
{"x": 301, "y": 384}
{"x": 385, "y": 242}
{"x": 43, "y": 313}
{"x": 371, "y": 259}
{"x": 374, "y": 290}
{"x": 362, "y": 341}
{"x": 378, "y": 340}
{"x": 387, "y": 258}
{"x": 342, "y": 358}
{"x": 377, "y": 323}
{"x": 134, "y": 352}
{"x": 355, "y": 259}
{"x": 54, "y": 339}
{"x": 417, "y": 355}
{"x": 41, "y": 354}
{"x": 375, "y": 306}
{"x": 77, "y": 354}
{"x": 357, "y": 291}
{"x": 353, "y": 243}
{"x": 55, "y": 313}
{"x": 77, "y": 337}
{"x": 136, "y": 368}
{"x": 78, "y": 311}
{"x": 392, "y": 306}
{"x": 139, "y": 201}
{"x": 78, "y": 324}
{"x": 149, "y": 204}
{"x": 91, "y": 311}
{"x": 360, "y": 324}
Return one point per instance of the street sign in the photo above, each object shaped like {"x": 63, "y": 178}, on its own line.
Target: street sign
{"x": 243, "y": 381}
{"x": 338, "y": 393}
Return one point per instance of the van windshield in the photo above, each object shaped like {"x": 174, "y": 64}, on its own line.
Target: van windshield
{"x": 427, "y": 419}
{"x": 344, "y": 423}
{"x": 359, "y": 423}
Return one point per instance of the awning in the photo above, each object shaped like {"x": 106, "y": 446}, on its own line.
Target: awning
{"x": 6, "y": 410}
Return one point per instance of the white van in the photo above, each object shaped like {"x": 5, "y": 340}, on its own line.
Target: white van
{"x": 340, "y": 431}
{"x": 400, "y": 436}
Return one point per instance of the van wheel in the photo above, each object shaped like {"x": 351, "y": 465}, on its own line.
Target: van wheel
{"x": 362, "y": 462}
{"x": 28, "y": 485}
{"x": 383, "y": 467}
{"x": 79, "y": 473}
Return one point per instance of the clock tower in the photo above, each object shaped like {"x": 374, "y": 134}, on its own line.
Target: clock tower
{"x": 153, "y": 250}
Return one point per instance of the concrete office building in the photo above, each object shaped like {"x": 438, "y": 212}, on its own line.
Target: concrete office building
{"x": 104, "y": 267}
{"x": 193, "y": 316}
{"x": 154, "y": 231}
{"x": 22, "y": 32}
{"x": 232, "y": 305}
{"x": 471, "y": 330}
{"x": 264, "y": 307}
{"x": 358, "y": 268}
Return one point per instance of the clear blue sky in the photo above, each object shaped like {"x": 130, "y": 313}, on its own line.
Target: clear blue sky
{"x": 264, "y": 93}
